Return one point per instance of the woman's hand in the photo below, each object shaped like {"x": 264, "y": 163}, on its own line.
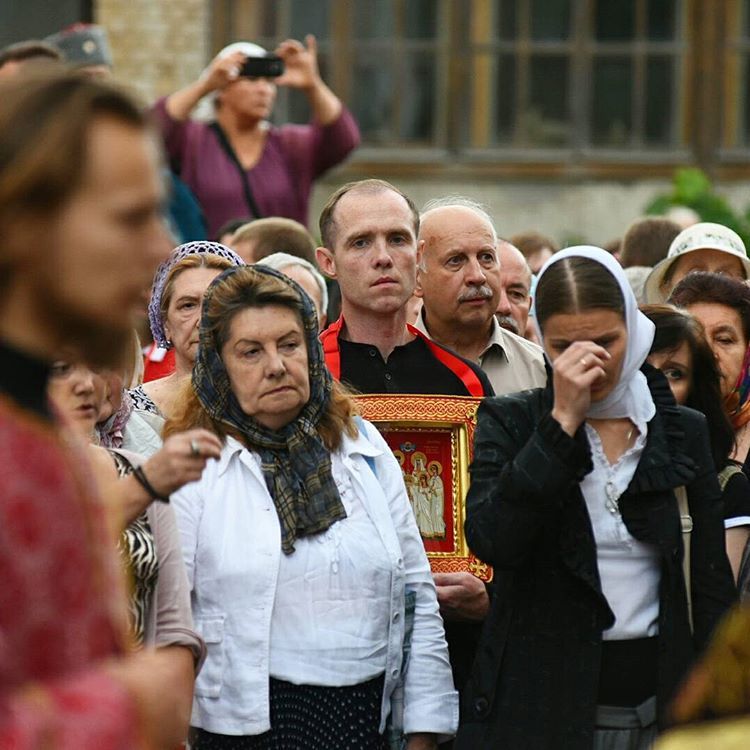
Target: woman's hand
{"x": 300, "y": 63}
{"x": 181, "y": 459}
{"x": 574, "y": 372}
{"x": 222, "y": 71}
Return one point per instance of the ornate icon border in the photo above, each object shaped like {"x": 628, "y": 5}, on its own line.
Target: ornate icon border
{"x": 422, "y": 414}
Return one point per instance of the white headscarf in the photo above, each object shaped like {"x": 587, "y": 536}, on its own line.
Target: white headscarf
{"x": 631, "y": 396}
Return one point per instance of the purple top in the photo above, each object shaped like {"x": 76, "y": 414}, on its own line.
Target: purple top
{"x": 281, "y": 181}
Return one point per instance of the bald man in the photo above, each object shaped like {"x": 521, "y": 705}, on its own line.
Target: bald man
{"x": 515, "y": 289}
{"x": 460, "y": 282}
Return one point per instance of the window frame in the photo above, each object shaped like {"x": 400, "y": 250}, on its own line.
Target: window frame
{"x": 703, "y": 111}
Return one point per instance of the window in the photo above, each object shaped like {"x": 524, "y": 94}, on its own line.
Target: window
{"x": 736, "y": 112}
{"x": 602, "y": 86}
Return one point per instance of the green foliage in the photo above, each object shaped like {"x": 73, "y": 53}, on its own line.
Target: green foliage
{"x": 692, "y": 188}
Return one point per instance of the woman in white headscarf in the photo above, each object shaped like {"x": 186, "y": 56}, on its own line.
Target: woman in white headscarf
{"x": 572, "y": 500}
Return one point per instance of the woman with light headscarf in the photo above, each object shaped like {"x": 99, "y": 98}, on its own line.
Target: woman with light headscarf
{"x": 573, "y": 501}
{"x": 301, "y": 547}
{"x": 238, "y": 165}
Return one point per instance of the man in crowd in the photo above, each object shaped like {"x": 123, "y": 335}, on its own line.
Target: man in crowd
{"x": 460, "y": 283}
{"x": 369, "y": 234}
{"x": 79, "y": 205}
{"x": 369, "y": 231}
{"x": 515, "y": 290}
{"x": 645, "y": 244}
{"x": 255, "y": 240}
{"x": 536, "y": 248}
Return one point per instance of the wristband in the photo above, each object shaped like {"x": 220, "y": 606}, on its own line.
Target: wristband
{"x": 140, "y": 476}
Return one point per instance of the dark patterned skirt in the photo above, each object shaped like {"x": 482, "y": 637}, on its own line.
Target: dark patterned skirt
{"x": 309, "y": 717}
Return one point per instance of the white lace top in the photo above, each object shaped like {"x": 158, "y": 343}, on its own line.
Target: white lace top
{"x": 628, "y": 568}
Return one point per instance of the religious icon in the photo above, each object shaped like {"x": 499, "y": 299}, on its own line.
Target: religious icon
{"x": 431, "y": 437}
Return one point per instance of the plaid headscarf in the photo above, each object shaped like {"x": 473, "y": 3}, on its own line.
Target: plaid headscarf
{"x": 200, "y": 247}
{"x": 295, "y": 463}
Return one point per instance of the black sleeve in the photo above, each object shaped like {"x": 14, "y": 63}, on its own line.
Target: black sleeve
{"x": 713, "y": 589}
{"x": 736, "y": 498}
{"x": 524, "y": 468}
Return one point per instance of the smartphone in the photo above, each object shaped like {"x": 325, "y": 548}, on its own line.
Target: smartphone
{"x": 270, "y": 66}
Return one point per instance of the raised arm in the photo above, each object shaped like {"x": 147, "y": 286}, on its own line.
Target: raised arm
{"x": 220, "y": 72}
{"x": 301, "y": 72}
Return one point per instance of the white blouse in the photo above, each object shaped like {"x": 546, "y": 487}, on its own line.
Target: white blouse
{"x": 329, "y": 624}
{"x": 628, "y": 569}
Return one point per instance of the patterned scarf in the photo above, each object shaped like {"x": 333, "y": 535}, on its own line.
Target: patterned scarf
{"x": 295, "y": 463}
{"x": 112, "y": 432}
{"x": 737, "y": 403}
{"x": 199, "y": 247}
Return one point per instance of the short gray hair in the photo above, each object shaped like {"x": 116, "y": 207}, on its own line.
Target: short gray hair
{"x": 460, "y": 201}
{"x": 280, "y": 261}
{"x": 456, "y": 201}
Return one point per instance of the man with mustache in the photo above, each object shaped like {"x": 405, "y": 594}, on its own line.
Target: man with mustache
{"x": 460, "y": 282}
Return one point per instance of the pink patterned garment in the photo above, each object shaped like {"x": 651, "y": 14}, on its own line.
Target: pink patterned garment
{"x": 62, "y": 601}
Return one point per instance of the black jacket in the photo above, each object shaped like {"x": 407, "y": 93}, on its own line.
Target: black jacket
{"x": 535, "y": 678}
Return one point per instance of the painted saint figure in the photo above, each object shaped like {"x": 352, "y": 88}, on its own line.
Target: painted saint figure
{"x": 436, "y": 494}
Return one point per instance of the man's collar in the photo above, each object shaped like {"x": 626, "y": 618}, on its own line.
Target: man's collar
{"x": 495, "y": 338}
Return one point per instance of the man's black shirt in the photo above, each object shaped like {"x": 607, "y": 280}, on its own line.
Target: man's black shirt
{"x": 410, "y": 368}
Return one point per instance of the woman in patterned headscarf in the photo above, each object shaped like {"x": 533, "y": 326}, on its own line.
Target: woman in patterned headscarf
{"x": 174, "y": 313}
{"x": 300, "y": 544}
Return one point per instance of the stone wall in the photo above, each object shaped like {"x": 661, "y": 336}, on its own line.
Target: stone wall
{"x": 570, "y": 212}
{"x": 158, "y": 46}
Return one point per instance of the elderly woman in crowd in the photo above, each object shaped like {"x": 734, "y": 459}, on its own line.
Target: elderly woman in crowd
{"x": 174, "y": 314}
{"x": 573, "y": 501}
{"x": 681, "y": 352}
{"x": 722, "y": 305}
{"x": 300, "y": 544}
{"x": 239, "y": 165}
{"x": 701, "y": 248}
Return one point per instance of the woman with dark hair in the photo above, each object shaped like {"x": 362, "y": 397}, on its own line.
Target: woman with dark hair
{"x": 572, "y": 500}
{"x": 722, "y": 305}
{"x": 300, "y": 544}
{"x": 681, "y": 352}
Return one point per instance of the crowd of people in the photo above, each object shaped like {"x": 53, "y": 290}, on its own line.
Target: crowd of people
{"x": 203, "y": 543}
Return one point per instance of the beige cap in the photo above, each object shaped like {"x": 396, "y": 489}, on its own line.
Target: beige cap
{"x": 702, "y": 236}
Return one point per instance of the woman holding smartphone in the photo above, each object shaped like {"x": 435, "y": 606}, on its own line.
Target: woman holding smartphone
{"x": 572, "y": 500}
{"x": 238, "y": 165}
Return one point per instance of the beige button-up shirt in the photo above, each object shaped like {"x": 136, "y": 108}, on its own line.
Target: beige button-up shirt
{"x": 511, "y": 363}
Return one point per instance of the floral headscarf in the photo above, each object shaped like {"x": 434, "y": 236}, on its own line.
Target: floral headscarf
{"x": 162, "y": 273}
